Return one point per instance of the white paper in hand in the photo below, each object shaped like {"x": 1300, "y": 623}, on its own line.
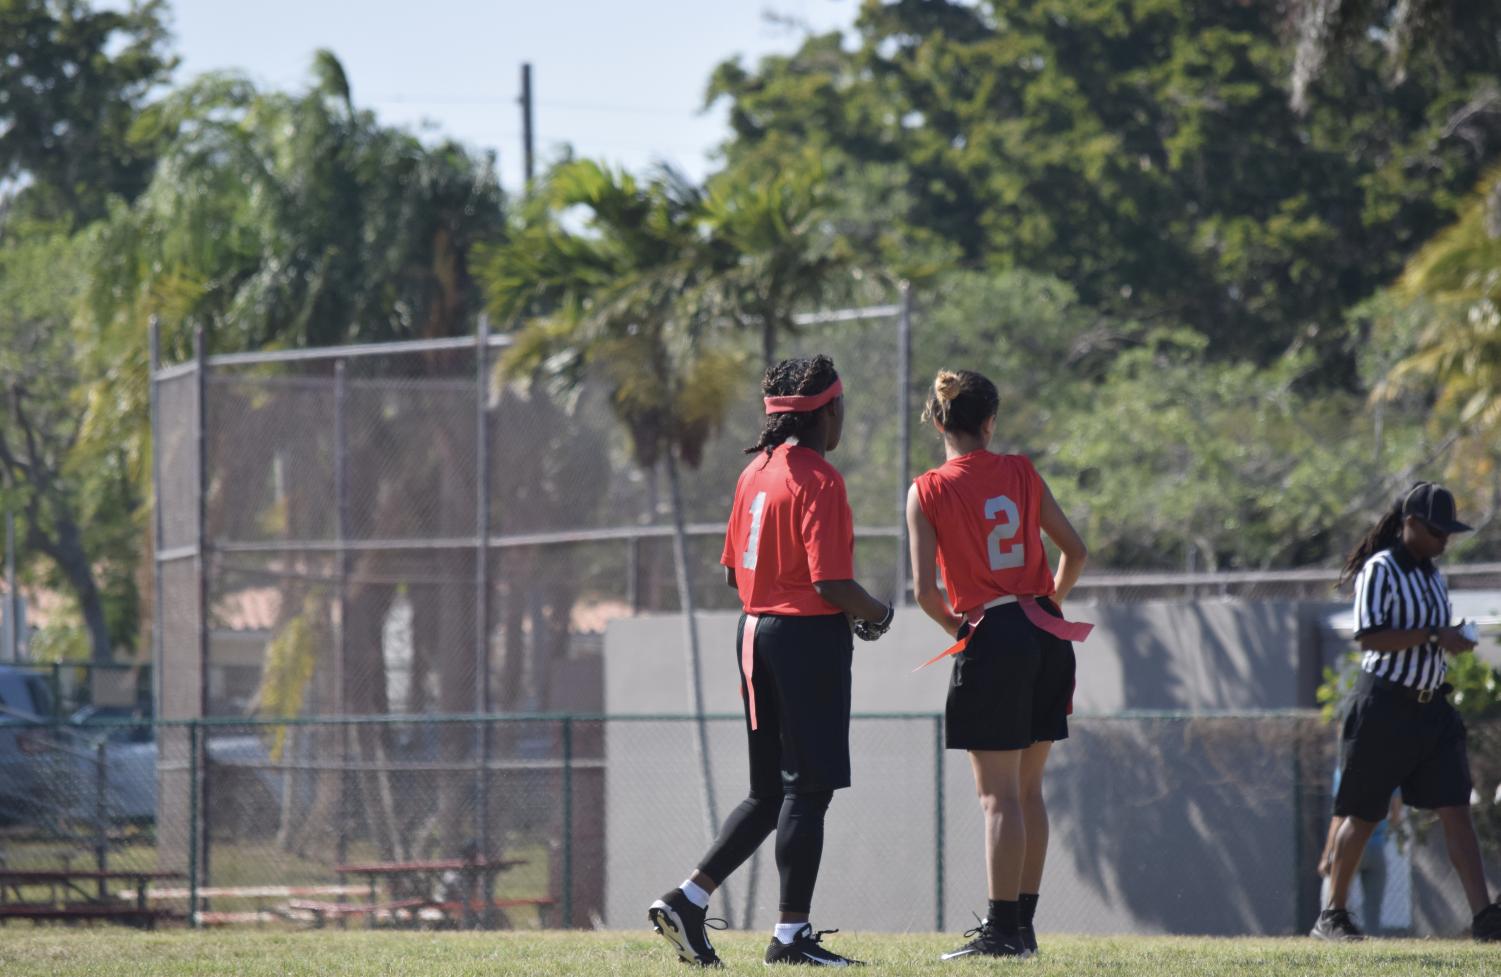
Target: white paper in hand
{"x": 1470, "y": 631}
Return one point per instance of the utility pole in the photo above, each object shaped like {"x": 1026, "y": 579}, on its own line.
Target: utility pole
{"x": 529, "y": 160}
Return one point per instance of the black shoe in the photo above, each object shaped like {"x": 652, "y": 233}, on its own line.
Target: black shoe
{"x": 990, "y": 942}
{"x": 1336, "y": 925}
{"x": 806, "y": 948}
{"x": 686, "y": 927}
{"x": 1029, "y": 937}
{"x": 1487, "y": 925}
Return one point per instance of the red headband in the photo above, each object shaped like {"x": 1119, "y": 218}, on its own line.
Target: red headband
{"x": 799, "y": 405}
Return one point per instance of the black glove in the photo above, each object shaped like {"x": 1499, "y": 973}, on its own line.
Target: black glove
{"x": 871, "y": 630}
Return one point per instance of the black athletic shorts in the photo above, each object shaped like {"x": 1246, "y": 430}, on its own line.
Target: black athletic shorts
{"x": 1012, "y": 686}
{"x": 1391, "y": 740}
{"x": 801, "y": 682}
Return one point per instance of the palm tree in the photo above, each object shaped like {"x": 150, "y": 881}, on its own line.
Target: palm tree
{"x": 1455, "y": 280}
{"x": 613, "y": 302}
{"x": 772, "y": 249}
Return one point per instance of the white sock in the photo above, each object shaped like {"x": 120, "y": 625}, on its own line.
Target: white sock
{"x": 695, "y": 893}
{"x": 787, "y": 932}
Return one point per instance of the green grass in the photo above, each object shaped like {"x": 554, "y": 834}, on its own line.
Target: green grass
{"x": 103, "y": 952}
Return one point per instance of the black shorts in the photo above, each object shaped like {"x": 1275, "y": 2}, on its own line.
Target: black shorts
{"x": 1012, "y": 686}
{"x": 1390, "y": 740}
{"x": 801, "y": 678}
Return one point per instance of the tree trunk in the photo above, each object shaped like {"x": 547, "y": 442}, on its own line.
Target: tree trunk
{"x": 68, "y": 552}
{"x": 695, "y": 658}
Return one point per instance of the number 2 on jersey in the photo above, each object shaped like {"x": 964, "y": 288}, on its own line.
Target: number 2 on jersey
{"x": 1001, "y": 558}
{"x": 753, "y": 543}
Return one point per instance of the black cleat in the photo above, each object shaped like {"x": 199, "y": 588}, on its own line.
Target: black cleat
{"x": 686, "y": 927}
{"x": 1029, "y": 937}
{"x": 1337, "y": 926}
{"x": 990, "y": 942}
{"x": 1486, "y": 927}
{"x": 806, "y": 948}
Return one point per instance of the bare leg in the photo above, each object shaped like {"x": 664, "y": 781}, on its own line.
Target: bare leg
{"x": 1034, "y": 815}
{"x": 1464, "y": 852}
{"x": 701, "y": 880}
{"x": 1349, "y": 843}
{"x": 998, "y": 782}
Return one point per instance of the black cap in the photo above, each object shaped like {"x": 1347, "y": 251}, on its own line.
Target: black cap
{"x": 1433, "y": 504}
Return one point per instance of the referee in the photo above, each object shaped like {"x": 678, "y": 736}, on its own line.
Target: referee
{"x": 1400, "y": 730}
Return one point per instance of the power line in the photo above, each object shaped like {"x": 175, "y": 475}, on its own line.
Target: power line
{"x": 441, "y": 99}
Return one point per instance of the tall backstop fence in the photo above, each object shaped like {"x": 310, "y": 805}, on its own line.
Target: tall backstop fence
{"x": 1161, "y": 823}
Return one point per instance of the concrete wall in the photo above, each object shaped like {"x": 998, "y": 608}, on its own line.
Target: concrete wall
{"x": 1204, "y": 655}
{"x": 1161, "y": 826}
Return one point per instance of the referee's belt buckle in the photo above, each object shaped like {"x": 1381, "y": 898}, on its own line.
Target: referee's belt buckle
{"x": 1425, "y": 696}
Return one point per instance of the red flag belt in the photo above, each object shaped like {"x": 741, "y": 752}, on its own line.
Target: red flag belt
{"x": 1041, "y": 619}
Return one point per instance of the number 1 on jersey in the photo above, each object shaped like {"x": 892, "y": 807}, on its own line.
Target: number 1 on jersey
{"x": 1010, "y": 557}
{"x": 757, "y": 510}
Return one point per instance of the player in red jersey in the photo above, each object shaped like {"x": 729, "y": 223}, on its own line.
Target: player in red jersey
{"x": 789, "y": 550}
{"x": 980, "y": 517}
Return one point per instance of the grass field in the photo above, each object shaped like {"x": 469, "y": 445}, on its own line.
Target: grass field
{"x": 27, "y": 952}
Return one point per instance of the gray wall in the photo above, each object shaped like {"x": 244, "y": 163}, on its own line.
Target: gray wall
{"x": 1159, "y": 825}
{"x": 1203, "y": 655}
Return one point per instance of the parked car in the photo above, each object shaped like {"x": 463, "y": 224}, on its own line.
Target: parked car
{"x": 28, "y": 748}
{"x": 102, "y": 761}
{"x": 104, "y": 742}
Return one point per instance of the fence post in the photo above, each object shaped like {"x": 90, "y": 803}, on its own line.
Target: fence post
{"x": 567, "y": 822}
{"x": 101, "y": 823}
{"x": 938, "y": 823}
{"x": 205, "y": 785}
{"x": 154, "y": 335}
{"x": 482, "y": 587}
{"x": 344, "y": 733}
{"x": 194, "y": 812}
{"x": 1300, "y": 908}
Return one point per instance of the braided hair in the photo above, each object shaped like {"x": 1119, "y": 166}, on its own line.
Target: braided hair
{"x": 1385, "y": 534}
{"x": 961, "y": 401}
{"x": 800, "y": 377}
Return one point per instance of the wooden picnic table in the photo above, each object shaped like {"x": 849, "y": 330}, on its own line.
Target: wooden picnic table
{"x": 68, "y": 899}
{"x": 413, "y": 885}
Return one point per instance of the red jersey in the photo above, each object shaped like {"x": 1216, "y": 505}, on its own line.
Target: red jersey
{"x": 984, "y": 509}
{"x": 790, "y": 526}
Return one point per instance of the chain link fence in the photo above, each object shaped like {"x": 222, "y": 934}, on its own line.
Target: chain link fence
{"x": 1160, "y": 824}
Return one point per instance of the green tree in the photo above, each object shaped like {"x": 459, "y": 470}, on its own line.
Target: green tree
{"x": 71, "y": 82}
{"x": 1143, "y": 152}
{"x": 1415, "y": 35}
{"x": 76, "y": 502}
{"x": 1219, "y": 466}
{"x": 73, "y": 79}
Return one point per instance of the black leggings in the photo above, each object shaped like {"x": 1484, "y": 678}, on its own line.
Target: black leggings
{"x": 798, "y": 820}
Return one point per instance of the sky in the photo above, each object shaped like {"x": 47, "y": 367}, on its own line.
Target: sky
{"x": 623, "y": 82}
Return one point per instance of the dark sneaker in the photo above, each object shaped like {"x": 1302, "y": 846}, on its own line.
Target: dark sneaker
{"x": 807, "y": 948}
{"x": 990, "y": 942}
{"x": 1336, "y": 925}
{"x": 1487, "y": 925}
{"x": 686, "y": 927}
{"x": 1029, "y": 937}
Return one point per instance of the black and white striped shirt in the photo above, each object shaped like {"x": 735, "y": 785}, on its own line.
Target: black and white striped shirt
{"x": 1394, "y": 592}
